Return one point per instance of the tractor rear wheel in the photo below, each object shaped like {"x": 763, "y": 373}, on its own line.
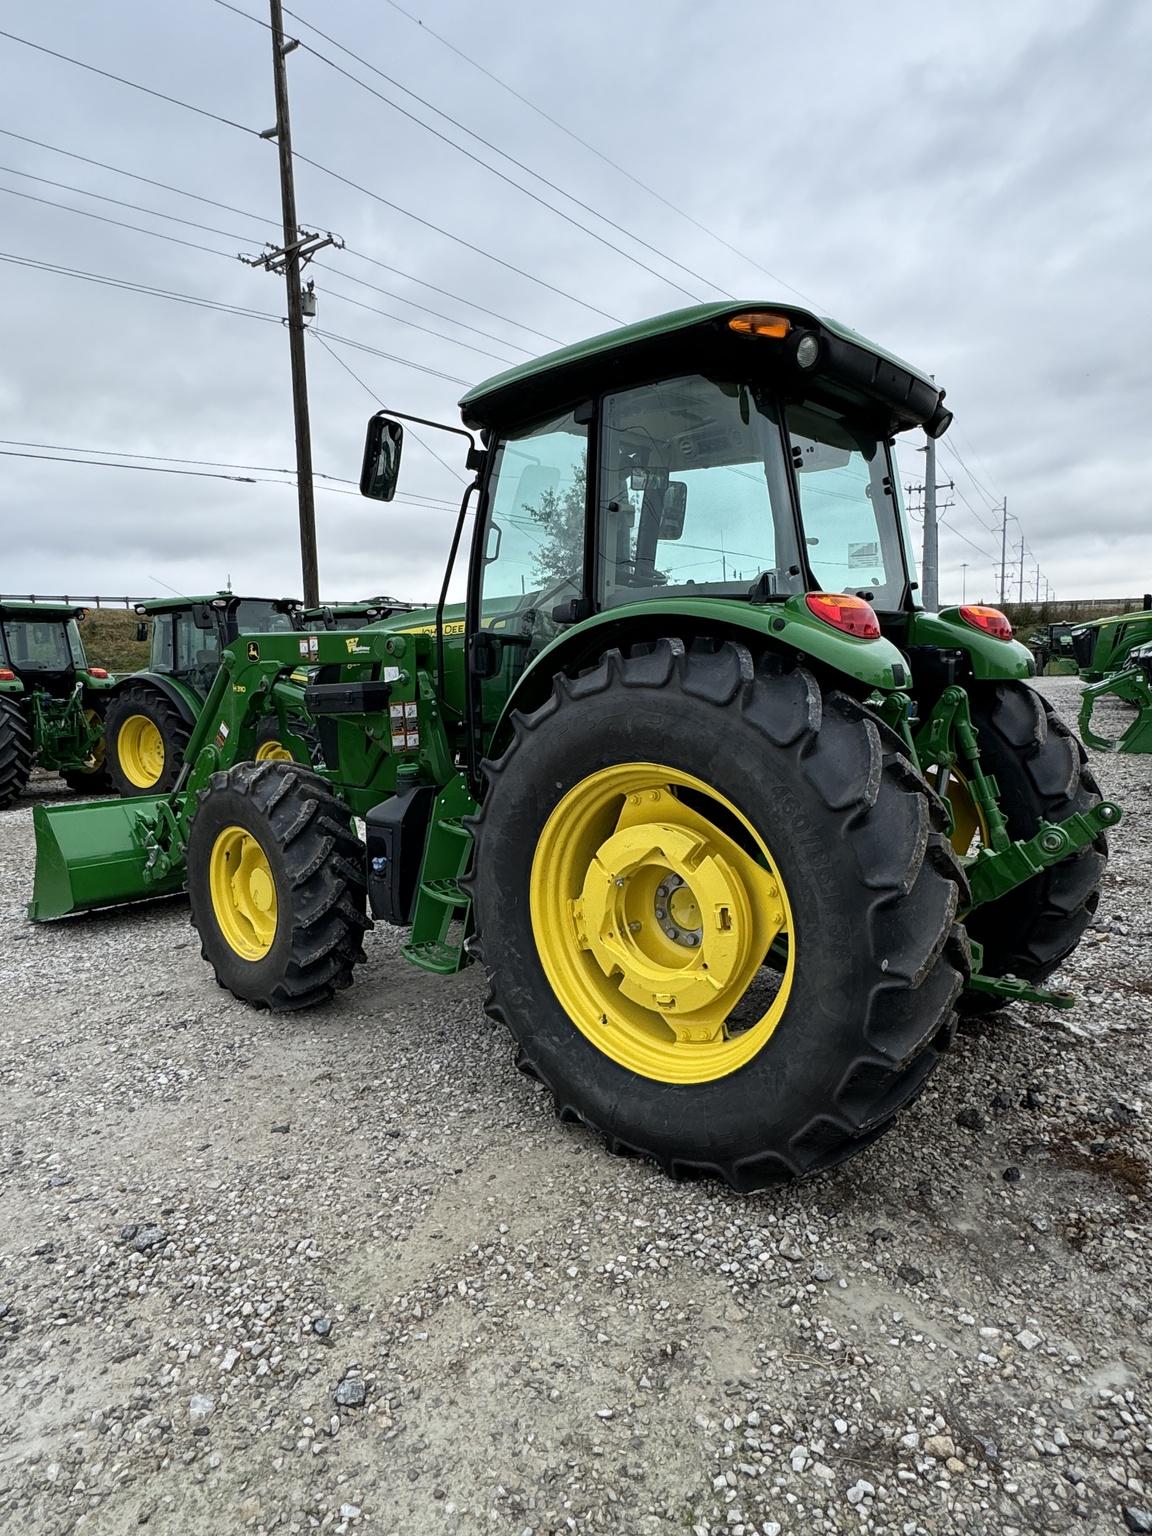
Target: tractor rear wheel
{"x": 650, "y": 833}
{"x": 278, "y": 886}
{"x": 15, "y": 750}
{"x": 144, "y": 741}
{"x": 1043, "y": 775}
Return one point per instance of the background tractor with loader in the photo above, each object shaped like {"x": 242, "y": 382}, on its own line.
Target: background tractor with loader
{"x": 732, "y": 824}
{"x": 52, "y": 701}
{"x": 152, "y": 713}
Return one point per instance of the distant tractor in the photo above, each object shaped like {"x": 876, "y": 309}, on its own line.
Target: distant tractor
{"x": 51, "y": 701}
{"x": 1102, "y": 646}
{"x": 353, "y": 615}
{"x": 1052, "y": 647}
{"x": 152, "y": 713}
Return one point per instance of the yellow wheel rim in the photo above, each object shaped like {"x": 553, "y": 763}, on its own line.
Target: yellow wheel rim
{"x": 96, "y": 761}
{"x": 140, "y": 748}
{"x": 654, "y": 903}
{"x": 273, "y": 752}
{"x": 243, "y": 892}
{"x": 968, "y": 822}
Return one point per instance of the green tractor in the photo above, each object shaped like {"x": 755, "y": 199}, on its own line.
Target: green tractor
{"x": 152, "y": 713}
{"x": 1053, "y": 649}
{"x": 732, "y": 824}
{"x": 1102, "y": 645}
{"x": 51, "y": 701}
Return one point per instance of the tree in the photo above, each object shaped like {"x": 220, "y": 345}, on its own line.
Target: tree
{"x": 560, "y": 514}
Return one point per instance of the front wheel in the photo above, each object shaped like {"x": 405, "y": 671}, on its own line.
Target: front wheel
{"x": 651, "y": 833}
{"x": 1042, "y": 774}
{"x": 145, "y": 737}
{"x": 277, "y": 884}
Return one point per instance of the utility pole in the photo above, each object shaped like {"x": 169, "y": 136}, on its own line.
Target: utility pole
{"x": 1037, "y": 582}
{"x": 963, "y": 581}
{"x": 1003, "y": 548}
{"x": 930, "y": 575}
{"x": 1020, "y": 598}
{"x": 290, "y": 259}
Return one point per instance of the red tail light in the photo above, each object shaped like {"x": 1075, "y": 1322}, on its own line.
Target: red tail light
{"x": 7, "y": 675}
{"x": 990, "y": 620}
{"x": 851, "y": 614}
{"x": 97, "y": 672}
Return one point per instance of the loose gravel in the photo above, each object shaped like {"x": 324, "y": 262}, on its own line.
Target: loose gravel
{"x": 344, "y": 1272}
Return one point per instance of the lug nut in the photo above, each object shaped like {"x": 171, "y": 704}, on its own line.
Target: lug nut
{"x": 633, "y": 927}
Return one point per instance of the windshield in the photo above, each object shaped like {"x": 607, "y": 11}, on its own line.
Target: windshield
{"x": 351, "y": 620}
{"x": 255, "y": 616}
{"x": 849, "y": 504}
{"x": 38, "y": 647}
{"x": 694, "y": 495}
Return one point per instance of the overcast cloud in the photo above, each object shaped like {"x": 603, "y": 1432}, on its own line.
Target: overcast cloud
{"x": 967, "y": 185}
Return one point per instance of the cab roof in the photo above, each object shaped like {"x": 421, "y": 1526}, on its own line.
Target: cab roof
{"x": 671, "y": 339}
{"x": 225, "y": 599}
{"x": 13, "y": 609}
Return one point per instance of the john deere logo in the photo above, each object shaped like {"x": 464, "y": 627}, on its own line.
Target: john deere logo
{"x": 253, "y": 651}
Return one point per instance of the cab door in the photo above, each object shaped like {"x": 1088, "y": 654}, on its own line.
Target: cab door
{"x": 528, "y": 558}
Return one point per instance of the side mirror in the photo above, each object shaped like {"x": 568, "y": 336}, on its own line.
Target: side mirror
{"x": 674, "y": 510}
{"x": 380, "y": 470}
{"x": 142, "y": 630}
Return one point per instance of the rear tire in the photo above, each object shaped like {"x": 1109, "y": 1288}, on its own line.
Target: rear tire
{"x": 137, "y": 764}
{"x": 1043, "y": 775}
{"x": 856, "y": 841}
{"x": 312, "y": 879}
{"x": 15, "y": 750}
{"x": 94, "y": 780}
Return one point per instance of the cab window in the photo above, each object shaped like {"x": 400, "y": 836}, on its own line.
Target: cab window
{"x": 693, "y": 497}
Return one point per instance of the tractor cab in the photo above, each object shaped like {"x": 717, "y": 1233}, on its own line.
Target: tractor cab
{"x": 188, "y": 634}
{"x": 40, "y": 643}
{"x": 723, "y": 464}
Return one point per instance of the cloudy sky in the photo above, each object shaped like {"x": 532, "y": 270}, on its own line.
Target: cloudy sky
{"x": 967, "y": 184}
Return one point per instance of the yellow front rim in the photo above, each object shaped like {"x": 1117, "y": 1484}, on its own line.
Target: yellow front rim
{"x": 273, "y": 752}
{"x": 243, "y": 892}
{"x": 654, "y": 903}
{"x": 140, "y": 748}
{"x": 96, "y": 761}
{"x": 968, "y": 822}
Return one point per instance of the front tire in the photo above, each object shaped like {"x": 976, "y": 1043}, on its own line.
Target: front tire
{"x": 277, "y": 884}
{"x": 144, "y": 741}
{"x": 1042, "y": 773}
{"x": 735, "y": 780}
{"x": 15, "y": 751}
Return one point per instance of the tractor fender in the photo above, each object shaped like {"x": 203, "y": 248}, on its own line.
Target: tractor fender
{"x": 180, "y": 697}
{"x": 788, "y": 627}
{"x": 991, "y": 660}
{"x": 11, "y": 687}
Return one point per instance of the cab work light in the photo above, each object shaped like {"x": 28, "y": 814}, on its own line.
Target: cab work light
{"x": 760, "y": 323}
{"x": 990, "y": 620}
{"x": 97, "y": 671}
{"x": 853, "y": 615}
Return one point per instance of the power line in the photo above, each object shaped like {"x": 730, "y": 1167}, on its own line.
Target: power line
{"x": 165, "y": 186}
{"x": 214, "y": 304}
{"x": 156, "y": 469}
{"x": 135, "y": 85}
{"x": 117, "y": 170}
{"x": 167, "y": 458}
{"x": 327, "y": 171}
{"x": 400, "y": 299}
{"x": 591, "y": 148}
{"x": 993, "y": 505}
{"x": 456, "y": 239}
{"x": 193, "y": 245}
{"x": 373, "y": 395}
{"x": 463, "y": 128}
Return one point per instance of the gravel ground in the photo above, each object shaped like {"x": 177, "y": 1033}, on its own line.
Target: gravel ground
{"x": 345, "y": 1272}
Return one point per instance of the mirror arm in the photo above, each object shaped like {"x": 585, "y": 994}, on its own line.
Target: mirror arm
{"x": 475, "y": 454}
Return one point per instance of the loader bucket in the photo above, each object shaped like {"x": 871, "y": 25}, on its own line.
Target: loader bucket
{"x": 91, "y": 856}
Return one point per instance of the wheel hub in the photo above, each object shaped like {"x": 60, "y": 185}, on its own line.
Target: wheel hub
{"x": 678, "y": 912}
